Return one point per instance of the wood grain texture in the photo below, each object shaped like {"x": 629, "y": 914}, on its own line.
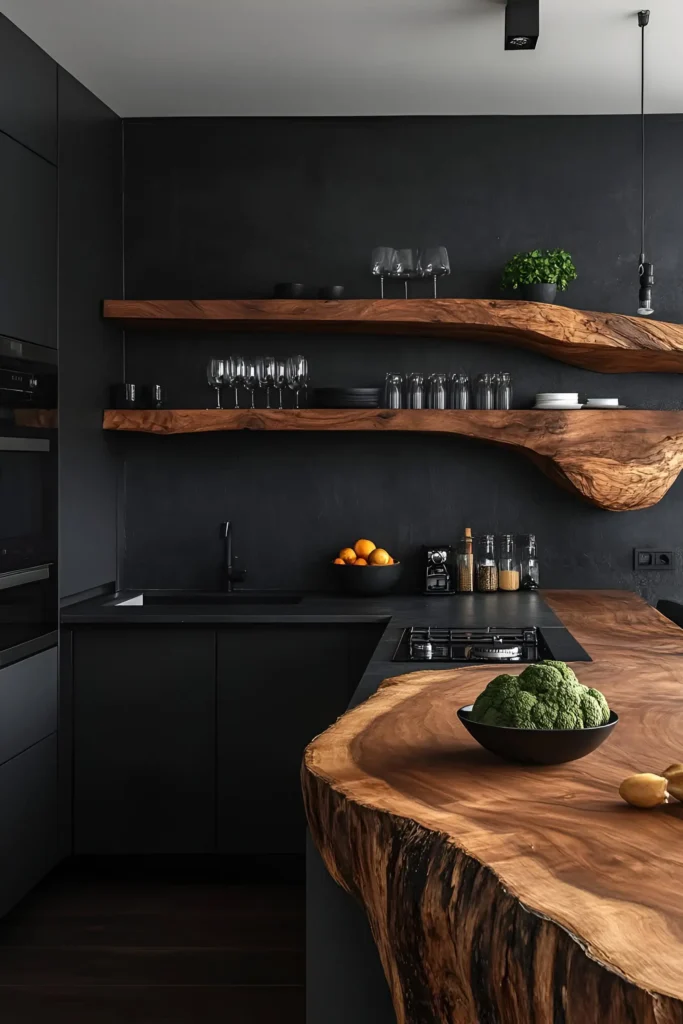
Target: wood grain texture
{"x": 507, "y": 894}
{"x": 40, "y": 419}
{"x": 618, "y": 460}
{"x": 608, "y": 342}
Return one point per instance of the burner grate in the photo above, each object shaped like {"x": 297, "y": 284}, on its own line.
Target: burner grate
{"x": 491, "y": 643}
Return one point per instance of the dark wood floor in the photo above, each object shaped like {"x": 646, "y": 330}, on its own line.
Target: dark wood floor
{"x": 89, "y": 946}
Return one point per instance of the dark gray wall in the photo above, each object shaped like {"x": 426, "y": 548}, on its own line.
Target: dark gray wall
{"x": 227, "y": 207}
{"x": 90, "y": 349}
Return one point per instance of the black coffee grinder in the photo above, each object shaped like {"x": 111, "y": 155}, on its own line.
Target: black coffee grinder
{"x": 440, "y": 570}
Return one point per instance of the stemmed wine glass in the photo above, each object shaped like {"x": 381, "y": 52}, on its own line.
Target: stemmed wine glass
{"x": 233, "y": 375}
{"x": 215, "y": 371}
{"x": 434, "y": 263}
{"x": 297, "y": 374}
{"x": 382, "y": 262}
{"x": 266, "y": 372}
{"x": 249, "y": 381}
{"x": 280, "y": 380}
{"x": 406, "y": 266}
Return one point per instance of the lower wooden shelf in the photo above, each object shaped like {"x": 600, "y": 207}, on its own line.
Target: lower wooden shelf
{"x": 619, "y": 460}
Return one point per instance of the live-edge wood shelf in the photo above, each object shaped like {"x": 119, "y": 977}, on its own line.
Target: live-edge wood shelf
{"x": 607, "y": 342}
{"x": 620, "y": 460}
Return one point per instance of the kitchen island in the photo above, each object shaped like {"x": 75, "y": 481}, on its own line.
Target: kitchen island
{"x": 502, "y": 893}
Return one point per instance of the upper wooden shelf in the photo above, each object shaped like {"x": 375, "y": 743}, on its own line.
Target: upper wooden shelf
{"x": 607, "y": 342}
{"x": 618, "y": 460}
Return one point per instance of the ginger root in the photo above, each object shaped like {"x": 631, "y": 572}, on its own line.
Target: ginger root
{"x": 674, "y": 776}
{"x": 645, "y": 790}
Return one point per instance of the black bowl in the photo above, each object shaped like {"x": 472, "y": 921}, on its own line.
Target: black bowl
{"x": 537, "y": 746}
{"x": 289, "y": 290}
{"x": 366, "y": 580}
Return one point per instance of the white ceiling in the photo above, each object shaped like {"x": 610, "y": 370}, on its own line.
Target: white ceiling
{"x": 357, "y": 57}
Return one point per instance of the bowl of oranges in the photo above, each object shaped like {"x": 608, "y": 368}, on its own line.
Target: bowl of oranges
{"x": 380, "y": 572}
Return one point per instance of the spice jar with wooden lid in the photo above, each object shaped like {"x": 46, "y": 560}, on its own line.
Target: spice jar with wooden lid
{"x": 487, "y": 565}
{"x": 508, "y": 563}
{"x": 464, "y": 577}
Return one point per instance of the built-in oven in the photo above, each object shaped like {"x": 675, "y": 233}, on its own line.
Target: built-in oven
{"x": 28, "y": 499}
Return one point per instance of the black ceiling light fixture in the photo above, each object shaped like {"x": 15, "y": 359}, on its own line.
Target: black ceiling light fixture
{"x": 646, "y": 270}
{"x": 521, "y": 24}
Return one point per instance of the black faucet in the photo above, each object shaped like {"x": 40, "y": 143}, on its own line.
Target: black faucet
{"x": 229, "y": 573}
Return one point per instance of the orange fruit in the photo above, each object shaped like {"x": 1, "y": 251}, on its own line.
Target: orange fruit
{"x": 391, "y": 562}
{"x": 347, "y": 555}
{"x": 339, "y": 561}
{"x": 363, "y": 548}
{"x": 379, "y": 557}
{"x": 360, "y": 561}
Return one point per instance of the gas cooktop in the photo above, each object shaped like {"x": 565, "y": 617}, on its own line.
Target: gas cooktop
{"x": 493, "y": 644}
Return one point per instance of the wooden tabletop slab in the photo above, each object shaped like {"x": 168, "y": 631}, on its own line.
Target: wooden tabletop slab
{"x": 466, "y": 863}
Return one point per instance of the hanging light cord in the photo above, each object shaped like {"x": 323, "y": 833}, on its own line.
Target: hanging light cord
{"x": 642, "y": 139}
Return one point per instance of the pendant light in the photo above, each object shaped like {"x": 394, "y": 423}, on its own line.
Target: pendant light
{"x": 645, "y": 270}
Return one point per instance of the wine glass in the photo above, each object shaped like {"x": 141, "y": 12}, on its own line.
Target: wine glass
{"x": 406, "y": 266}
{"x": 280, "y": 380}
{"x": 215, "y": 370}
{"x": 266, "y": 371}
{"x": 382, "y": 262}
{"x": 434, "y": 263}
{"x": 250, "y": 381}
{"x": 297, "y": 374}
{"x": 233, "y": 374}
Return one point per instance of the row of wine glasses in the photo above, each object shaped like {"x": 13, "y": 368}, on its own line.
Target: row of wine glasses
{"x": 409, "y": 264}
{"x": 265, "y": 372}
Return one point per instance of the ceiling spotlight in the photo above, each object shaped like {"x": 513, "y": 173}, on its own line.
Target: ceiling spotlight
{"x": 521, "y": 24}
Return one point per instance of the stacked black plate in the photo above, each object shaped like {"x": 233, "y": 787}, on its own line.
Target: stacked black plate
{"x": 346, "y": 398}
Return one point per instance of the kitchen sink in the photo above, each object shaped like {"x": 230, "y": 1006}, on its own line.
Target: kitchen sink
{"x": 193, "y": 597}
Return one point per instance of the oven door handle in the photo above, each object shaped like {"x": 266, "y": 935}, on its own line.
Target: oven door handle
{"x": 21, "y": 576}
{"x": 24, "y": 444}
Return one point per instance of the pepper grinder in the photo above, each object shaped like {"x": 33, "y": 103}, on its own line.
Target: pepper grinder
{"x": 530, "y": 572}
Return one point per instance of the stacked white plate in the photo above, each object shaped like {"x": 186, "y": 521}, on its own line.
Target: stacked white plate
{"x": 603, "y": 403}
{"x": 558, "y": 400}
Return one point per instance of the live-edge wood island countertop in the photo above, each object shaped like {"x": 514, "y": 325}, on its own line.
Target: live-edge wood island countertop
{"x": 506, "y": 894}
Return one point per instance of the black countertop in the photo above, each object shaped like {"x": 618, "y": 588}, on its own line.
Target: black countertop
{"x": 394, "y": 612}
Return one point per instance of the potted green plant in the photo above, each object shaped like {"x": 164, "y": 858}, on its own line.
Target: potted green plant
{"x": 539, "y": 273}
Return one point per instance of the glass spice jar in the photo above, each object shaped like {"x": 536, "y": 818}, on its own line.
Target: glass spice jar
{"x": 464, "y": 578}
{"x": 487, "y": 566}
{"x": 508, "y": 565}
{"x": 530, "y": 575}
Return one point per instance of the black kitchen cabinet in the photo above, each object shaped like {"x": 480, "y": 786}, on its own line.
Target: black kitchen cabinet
{"x": 28, "y": 256}
{"x": 144, "y": 740}
{"x": 28, "y": 91}
{"x": 28, "y": 820}
{"x": 278, "y": 687}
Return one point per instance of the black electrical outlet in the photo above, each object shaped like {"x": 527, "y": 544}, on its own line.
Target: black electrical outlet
{"x": 648, "y": 558}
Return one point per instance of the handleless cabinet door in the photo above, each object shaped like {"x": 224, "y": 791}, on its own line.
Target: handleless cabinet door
{"x": 28, "y": 91}
{"x": 28, "y": 249}
{"x": 28, "y": 820}
{"x": 278, "y": 687}
{"x": 144, "y": 740}
{"x": 28, "y": 702}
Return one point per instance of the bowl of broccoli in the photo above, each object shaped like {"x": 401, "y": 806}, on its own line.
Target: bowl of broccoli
{"x": 542, "y": 716}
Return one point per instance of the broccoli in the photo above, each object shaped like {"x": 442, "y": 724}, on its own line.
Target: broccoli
{"x": 547, "y": 695}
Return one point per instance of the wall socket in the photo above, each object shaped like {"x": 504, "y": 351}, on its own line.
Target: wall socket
{"x": 648, "y": 558}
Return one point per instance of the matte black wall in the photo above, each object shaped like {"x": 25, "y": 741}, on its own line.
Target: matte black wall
{"x": 90, "y": 349}
{"x": 227, "y": 207}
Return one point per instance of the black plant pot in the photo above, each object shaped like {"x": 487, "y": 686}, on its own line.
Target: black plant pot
{"x": 539, "y": 292}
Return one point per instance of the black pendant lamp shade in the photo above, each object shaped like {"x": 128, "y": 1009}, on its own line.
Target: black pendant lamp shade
{"x": 646, "y": 271}
{"x": 521, "y": 24}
